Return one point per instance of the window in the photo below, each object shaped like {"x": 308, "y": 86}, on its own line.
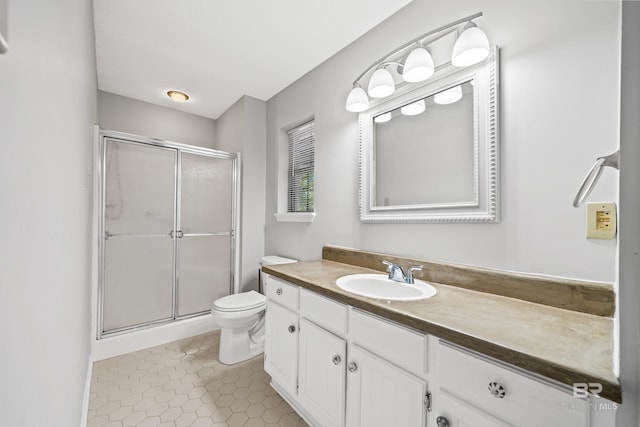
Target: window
{"x": 300, "y": 174}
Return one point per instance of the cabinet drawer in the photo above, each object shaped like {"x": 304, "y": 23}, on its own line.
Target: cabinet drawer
{"x": 323, "y": 311}
{"x": 509, "y": 395}
{"x": 282, "y": 292}
{"x": 391, "y": 341}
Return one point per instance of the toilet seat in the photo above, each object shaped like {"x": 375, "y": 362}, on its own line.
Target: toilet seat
{"x": 240, "y": 302}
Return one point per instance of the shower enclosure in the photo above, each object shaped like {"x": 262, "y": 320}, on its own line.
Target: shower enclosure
{"x": 167, "y": 231}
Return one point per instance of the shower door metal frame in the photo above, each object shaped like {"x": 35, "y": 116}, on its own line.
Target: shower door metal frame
{"x": 175, "y": 234}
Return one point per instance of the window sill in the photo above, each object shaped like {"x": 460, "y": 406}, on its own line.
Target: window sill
{"x": 295, "y": 217}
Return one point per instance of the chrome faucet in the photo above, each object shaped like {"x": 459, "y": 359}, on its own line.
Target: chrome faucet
{"x": 397, "y": 274}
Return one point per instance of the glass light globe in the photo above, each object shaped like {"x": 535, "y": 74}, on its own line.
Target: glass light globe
{"x": 418, "y": 66}
{"x": 471, "y": 47}
{"x": 382, "y": 118}
{"x": 448, "y": 96}
{"x": 414, "y": 108}
{"x": 357, "y": 101}
{"x": 381, "y": 84}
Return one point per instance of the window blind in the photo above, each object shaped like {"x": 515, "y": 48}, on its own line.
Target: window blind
{"x": 301, "y": 156}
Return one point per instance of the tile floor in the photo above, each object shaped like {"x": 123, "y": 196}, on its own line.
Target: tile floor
{"x": 183, "y": 384}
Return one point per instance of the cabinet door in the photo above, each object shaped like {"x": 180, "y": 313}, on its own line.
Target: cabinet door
{"x": 281, "y": 346}
{"x": 380, "y": 394}
{"x": 321, "y": 388}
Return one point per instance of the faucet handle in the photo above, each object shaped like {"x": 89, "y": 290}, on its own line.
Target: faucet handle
{"x": 410, "y": 271}
{"x": 390, "y": 265}
{"x": 395, "y": 271}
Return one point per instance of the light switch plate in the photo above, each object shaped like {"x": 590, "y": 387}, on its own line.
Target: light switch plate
{"x": 601, "y": 221}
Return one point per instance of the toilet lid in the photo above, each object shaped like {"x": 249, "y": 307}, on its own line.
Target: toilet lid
{"x": 241, "y": 301}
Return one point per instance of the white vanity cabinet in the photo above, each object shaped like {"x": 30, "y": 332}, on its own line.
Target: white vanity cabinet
{"x": 306, "y": 351}
{"x": 322, "y": 367}
{"x": 341, "y": 366}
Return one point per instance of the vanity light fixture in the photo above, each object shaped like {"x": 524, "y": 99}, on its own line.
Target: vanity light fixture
{"x": 178, "y": 96}
{"x": 414, "y": 108}
{"x": 415, "y": 63}
{"x": 448, "y": 96}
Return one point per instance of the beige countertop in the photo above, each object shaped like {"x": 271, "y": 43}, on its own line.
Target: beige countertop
{"x": 563, "y": 345}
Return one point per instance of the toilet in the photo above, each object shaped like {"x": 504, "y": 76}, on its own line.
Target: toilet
{"x": 241, "y": 320}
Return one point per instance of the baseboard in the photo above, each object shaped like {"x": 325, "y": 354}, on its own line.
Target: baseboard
{"x": 87, "y": 390}
{"x": 137, "y": 340}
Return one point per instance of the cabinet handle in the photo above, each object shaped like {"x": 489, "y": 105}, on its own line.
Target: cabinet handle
{"x": 279, "y": 291}
{"x": 442, "y": 422}
{"x": 497, "y": 390}
{"x": 292, "y": 329}
{"x": 336, "y": 359}
{"x": 352, "y": 367}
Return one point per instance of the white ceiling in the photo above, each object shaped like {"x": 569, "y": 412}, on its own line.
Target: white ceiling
{"x": 217, "y": 51}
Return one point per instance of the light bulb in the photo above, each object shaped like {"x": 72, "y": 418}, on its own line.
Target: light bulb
{"x": 414, "y": 108}
{"x": 471, "y": 47}
{"x": 448, "y": 96}
{"x": 381, "y": 83}
{"x": 418, "y": 66}
{"x": 357, "y": 101}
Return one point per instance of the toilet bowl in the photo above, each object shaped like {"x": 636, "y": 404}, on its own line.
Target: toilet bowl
{"x": 241, "y": 320}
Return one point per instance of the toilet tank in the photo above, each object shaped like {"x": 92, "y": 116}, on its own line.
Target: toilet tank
{"x": 271, "y": 260}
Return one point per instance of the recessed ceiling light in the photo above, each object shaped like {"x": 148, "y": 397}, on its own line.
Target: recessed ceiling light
{"x": 178, "y": 96}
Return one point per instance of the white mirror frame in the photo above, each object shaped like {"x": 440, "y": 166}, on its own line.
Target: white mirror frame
{"x": 486, "y": 147}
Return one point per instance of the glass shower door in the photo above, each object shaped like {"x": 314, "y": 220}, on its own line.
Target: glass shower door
{"x": 139, "y": 216}
{"x": 206, "y": 231}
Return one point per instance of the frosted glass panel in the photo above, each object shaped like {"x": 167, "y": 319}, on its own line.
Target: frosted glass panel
{"x": 207, "y": 189}
{"x": 138, "y": 281}
{"x": 139, "y": 188}
{"x": 204, "y": 272}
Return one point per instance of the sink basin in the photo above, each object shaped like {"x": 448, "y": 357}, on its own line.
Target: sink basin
{"x": 381, "y": 287}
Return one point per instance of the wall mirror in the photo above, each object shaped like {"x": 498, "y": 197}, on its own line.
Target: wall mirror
{"x": 429, "y": 153}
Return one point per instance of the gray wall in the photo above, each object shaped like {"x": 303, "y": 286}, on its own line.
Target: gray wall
{"x": 559, "y": 111}
{"x": 47, "y": 111}
{"x": 629, "y": 252}
{"x": 242, "y": 129}
{"x": 128, "y": 115}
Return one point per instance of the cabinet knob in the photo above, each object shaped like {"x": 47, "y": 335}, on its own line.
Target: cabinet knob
{"x": 352, "y": 367}
{"x": 292, "y": 329}
{"x": 497, "y": 390}
{"x": 336, "y": 359}
{"x": 442, "y": 422}
{"x": 279, "y": 291}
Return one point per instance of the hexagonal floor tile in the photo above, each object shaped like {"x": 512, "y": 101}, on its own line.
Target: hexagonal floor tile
{"x": 182, "y": 384}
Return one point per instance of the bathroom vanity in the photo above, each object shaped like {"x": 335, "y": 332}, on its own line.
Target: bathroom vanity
{"x": 344, "y": 360}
